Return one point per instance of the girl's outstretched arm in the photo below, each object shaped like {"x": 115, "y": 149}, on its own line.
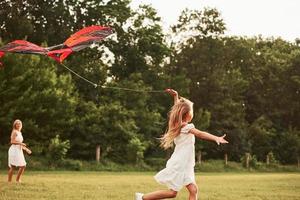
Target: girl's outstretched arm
{"x": 173, "y": 93}
{"x": 207, "y": 136}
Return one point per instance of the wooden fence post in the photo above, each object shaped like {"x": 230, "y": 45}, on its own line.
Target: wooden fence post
{"x": 226, "y": 159}
{"x": 268, "y": 159}
{"x": 98, "y": 151}
{"x": 247, "y": 160}
{"x": 199, "y": 157}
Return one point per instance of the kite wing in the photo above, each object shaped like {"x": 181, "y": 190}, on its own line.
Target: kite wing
{"x": 1, "y": 54}
{"x": 60, "y": 55}
{"x": 87, "y": 36}
{"x": 22, "y": 46}
{"x": 80, "y": 40}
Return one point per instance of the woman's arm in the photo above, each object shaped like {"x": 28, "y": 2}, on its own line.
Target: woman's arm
{"x": 207, "y": 136}
{"x": 26, "y": 149}
{"x": 173, "y": 93}
{"x": 13, "y": 139}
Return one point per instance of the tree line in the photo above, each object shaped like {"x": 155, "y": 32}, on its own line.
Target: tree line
{"x": 248, "y": 88}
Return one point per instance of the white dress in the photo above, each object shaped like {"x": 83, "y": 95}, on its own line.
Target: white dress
{"x": 179, "y": 170}
{"x": 15, "y": 152}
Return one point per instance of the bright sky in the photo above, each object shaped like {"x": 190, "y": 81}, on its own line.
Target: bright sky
{"x": 278, "y": 18}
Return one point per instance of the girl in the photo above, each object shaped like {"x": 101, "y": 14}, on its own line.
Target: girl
{"x": 179, "y": 170}
{"x": 15, "y": 152}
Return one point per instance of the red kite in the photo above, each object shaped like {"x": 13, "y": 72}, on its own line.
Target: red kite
{"x": 80, "y": 40}
{"x": 76, "y": 42}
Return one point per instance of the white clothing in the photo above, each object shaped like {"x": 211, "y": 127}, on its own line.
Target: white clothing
{"x": 139, "y": 196}
{"x": 179, "y": 170}
{"x": 15, "y": 152}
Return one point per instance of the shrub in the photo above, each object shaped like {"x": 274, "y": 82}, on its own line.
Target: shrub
{"x": 36, "y": 163}
{"x": 70, "y": 164}
{"x": 135, "y": 150}
{"x": 4, "y": 157}
{"x": 253, "y": 163}
{"x": 273, "y": 162}
{"x": 156, "y": 163}
{"x": 58, "y": 149}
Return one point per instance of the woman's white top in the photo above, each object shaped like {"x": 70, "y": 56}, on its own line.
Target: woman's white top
{"x": 15, "y": 152}
{"x": 179, "y": 170}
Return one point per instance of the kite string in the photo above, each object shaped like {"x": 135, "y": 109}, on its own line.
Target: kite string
{"x": 83, "y": 78}
{"x": 109, "y": 87}
{"x": 133, "y": 90}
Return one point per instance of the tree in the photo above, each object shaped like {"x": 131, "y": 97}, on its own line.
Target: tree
{"x": 33, "y": 92}
{"x": 109, "y": 125}
{"x": 288, "y": 146}
{"x": 261, "y": 135}
{"x": 216, "y": 81}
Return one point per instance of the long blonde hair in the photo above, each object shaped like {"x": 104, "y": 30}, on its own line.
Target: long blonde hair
{"x": 177, "y": 114}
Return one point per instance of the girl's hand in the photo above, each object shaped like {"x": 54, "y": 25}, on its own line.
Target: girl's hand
{"x": 23, "y": 144}
{"x": 172, "y": 92}
{"x": 221, "y": 140}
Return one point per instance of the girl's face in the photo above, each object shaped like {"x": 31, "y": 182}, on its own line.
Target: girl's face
{"x": 190, "y": 116}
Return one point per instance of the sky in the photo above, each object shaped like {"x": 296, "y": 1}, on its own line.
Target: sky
{"x": 277, "y": 18}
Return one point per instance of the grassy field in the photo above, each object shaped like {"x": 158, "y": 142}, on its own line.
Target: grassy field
{"x": 122, "y": 186}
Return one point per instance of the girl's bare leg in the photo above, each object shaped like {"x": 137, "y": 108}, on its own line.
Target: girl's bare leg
{"x": 160, "y": 194}
{"x": 193, "y": 190}
{"x": 10, "y": 173}
{"x": 20, "y": 172}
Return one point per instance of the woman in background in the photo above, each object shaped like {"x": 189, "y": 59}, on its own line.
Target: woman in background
{"x": 15, "y": 152}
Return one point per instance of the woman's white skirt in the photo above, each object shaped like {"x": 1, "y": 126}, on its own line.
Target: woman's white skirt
{"x": 16, "y": 156}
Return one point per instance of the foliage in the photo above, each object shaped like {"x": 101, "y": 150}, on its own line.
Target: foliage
{"x": 261, "y": 133}
{"x": 135, "y": 150}
{"x": 69, "y": 164}
{"x": 252, "y": 161}
{"x": 288, "y": 150}
{"x": 32, "y": 91}
{"x": 272, "y": 160}
{"x": 247, "y": 88}
{"x": 57, "y": 149}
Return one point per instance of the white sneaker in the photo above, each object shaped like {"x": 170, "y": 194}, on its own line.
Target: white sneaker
{"x": 139, "y": 196}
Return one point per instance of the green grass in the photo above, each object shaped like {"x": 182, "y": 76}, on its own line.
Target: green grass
{"x": 122, "y": 186}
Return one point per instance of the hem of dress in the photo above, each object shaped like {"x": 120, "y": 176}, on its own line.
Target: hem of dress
{"x": 9, "y": 165}
{"x": 177, "y": 189}
{"x": 168, "y": 186}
